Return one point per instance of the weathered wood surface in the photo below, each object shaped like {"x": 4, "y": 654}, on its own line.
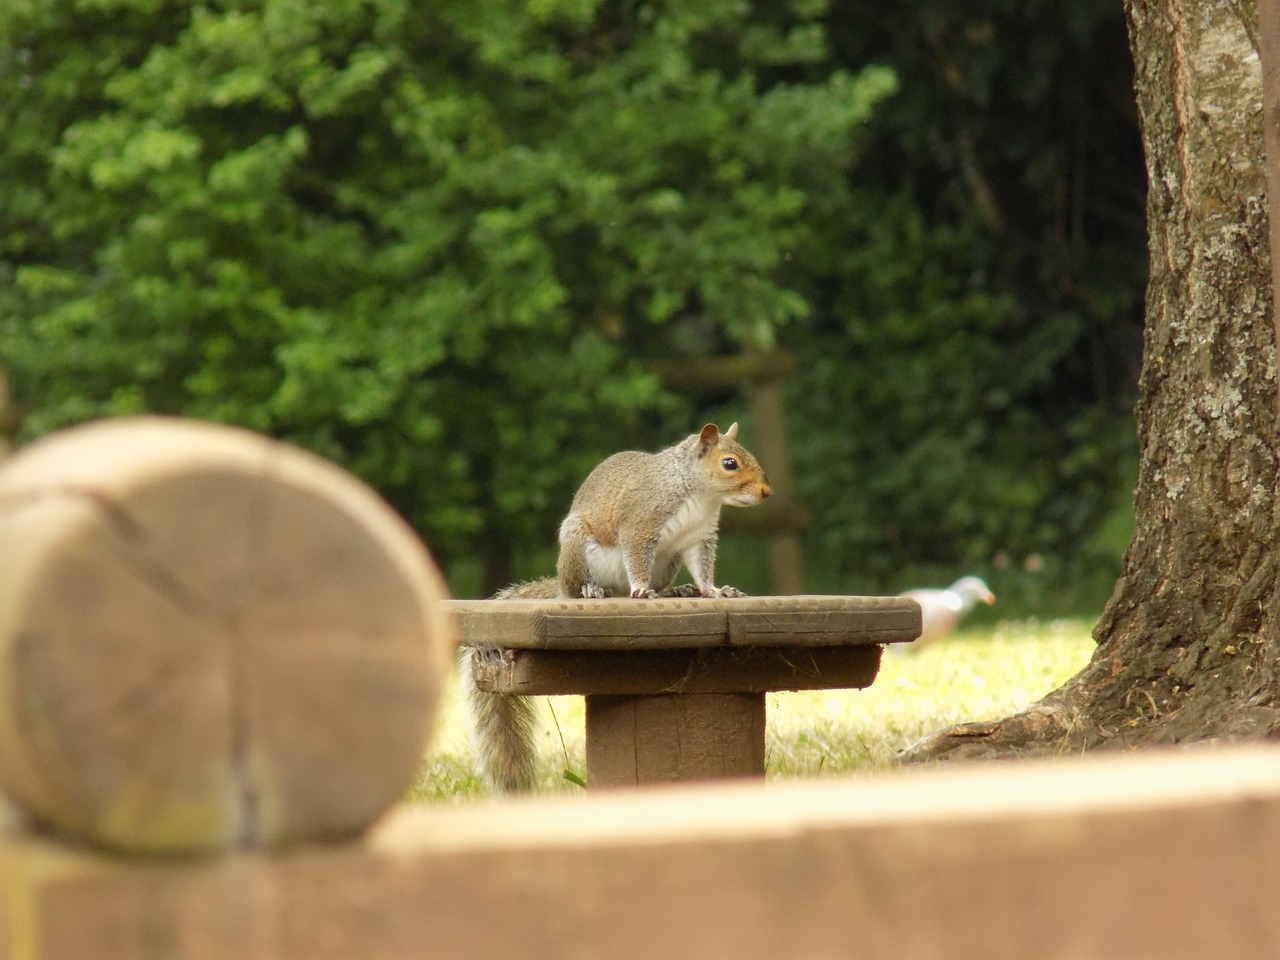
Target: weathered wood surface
{"x": 626, "y": 624}
{"x": 634, "y": 660}
{"x": 8, "y": 416}
{"x": 1157, "y": 857}
{"x": 704, "y": 670}
{"x": 635, "y": 741}
{"x": 208, "y": 639}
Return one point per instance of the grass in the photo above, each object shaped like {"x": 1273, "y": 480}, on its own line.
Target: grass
{"x": 977, "y": 674}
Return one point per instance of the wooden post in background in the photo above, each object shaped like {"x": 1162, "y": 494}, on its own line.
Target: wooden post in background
{"x": 781, "y": 518}
{"x": 8, "y": 416}
{"x": 786, "y": 552}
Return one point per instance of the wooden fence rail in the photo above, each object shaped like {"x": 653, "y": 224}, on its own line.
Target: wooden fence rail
{"x": 1167, "y": 857}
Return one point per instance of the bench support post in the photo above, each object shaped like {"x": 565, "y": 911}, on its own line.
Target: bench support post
{"x": 664, "y": 738}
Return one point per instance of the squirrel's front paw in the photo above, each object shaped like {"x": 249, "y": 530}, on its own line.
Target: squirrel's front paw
{"x": 593, "y": 591}
{"x": 644, "y": 593}
{"x": 684, "y": 591}
{"x": 726, "y": 592}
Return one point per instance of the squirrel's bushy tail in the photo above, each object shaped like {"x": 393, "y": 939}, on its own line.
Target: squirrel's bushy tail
{"x": 504, "y": 728}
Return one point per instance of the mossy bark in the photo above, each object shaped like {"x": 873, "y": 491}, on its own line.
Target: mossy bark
{"x": 1188, "y": 644}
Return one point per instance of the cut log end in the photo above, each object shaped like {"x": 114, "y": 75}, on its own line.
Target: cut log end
{"x": 208, "y": 639}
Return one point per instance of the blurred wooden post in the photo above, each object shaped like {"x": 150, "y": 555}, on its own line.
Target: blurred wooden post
{"x": 8, "y": 416}
{"x": 781, "y": 518}
{"x": 786, "y": 553}
{"x": 209, "y": 640}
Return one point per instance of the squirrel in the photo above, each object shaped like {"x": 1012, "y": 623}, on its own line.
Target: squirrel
{"x": 634, "y": 521}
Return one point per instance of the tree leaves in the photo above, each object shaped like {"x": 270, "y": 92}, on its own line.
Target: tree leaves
{"x": 416, "y": 238}
{"x": 436, "y": 242}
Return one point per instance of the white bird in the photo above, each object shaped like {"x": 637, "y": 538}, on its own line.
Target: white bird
{"x": 942, "y": 610}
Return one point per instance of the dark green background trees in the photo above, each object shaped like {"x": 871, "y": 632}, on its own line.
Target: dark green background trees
{"x": 979, "y": 337}
{"x": 439, "y": 242}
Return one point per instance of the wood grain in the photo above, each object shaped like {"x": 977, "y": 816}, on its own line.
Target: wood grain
{"x": 634, "y": 741}
{"x": 1168, "y": 856}
{"x": 709, "y": 670}
{"x": 208, "y": 639}
{"x": 626, "y": 624}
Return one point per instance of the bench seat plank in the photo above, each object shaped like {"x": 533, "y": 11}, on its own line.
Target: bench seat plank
{"x": 625, "y": 624}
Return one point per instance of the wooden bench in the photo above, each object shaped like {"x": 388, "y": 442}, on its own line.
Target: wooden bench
{"x": 675, "y": 689}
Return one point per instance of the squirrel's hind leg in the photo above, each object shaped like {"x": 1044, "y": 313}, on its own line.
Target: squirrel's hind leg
{"x": 573, "y": 574}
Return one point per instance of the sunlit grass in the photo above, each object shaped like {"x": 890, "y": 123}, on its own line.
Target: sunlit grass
{"x": 974, "y": 675}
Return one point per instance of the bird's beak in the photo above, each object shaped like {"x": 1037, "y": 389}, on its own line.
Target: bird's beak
{"x": 988, "y": 597}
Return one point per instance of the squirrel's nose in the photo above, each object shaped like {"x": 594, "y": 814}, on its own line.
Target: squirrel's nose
{"x": 765, "y": 491}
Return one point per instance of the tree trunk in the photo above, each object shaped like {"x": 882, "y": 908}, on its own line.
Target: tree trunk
{"x": 1187, "y": 645}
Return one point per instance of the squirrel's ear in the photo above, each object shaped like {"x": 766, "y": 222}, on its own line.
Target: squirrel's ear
{"x": 732, "y": 431}
{"x": 708, "y": 438}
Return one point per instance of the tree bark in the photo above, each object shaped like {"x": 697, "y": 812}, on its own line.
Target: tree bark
{"x": 1187, "y": 645}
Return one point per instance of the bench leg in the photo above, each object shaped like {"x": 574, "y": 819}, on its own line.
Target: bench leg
{"x": 633, "y": 740}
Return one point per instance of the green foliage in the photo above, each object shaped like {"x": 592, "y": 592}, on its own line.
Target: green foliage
{"x": 437, "y": 242}
{"x": 416, "y": 238}
{"x": 970, "y": 360}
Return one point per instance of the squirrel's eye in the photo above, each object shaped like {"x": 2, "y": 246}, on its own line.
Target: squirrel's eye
{"x": 730, "y": 463}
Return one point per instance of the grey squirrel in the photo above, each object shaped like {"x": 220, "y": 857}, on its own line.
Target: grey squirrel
{"x": 634, "y": 521}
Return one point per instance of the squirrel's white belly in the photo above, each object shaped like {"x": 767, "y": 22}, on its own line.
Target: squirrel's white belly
{"x": 605, "y": 566}
{"x": 690, "y": 524}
